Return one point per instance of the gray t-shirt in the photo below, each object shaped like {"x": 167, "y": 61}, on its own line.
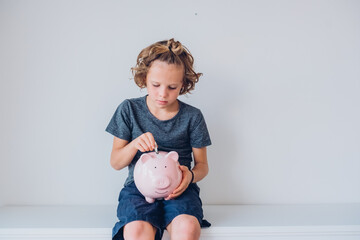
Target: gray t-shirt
{"x": 187, "y": 129}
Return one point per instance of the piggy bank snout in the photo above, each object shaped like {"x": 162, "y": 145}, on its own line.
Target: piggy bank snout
{"x": 162, "y": 182}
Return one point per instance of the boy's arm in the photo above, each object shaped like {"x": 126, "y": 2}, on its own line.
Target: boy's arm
{"x": 123, "y": 152}
{"x": 200, "y": 170}
{"x": 201, "y": 167}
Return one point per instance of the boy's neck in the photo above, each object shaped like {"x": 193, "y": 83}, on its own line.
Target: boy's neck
{"x": 163, "y": 113}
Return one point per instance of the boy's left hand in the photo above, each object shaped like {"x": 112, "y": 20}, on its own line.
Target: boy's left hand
{"x": 185, "y": 182}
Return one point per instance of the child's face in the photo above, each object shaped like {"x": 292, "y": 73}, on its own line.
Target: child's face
{"x": 163, "y": 83}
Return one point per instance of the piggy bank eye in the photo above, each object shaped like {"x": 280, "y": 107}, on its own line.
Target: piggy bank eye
{"x": 165, "y": 166}
{"x": 155, "y": 166}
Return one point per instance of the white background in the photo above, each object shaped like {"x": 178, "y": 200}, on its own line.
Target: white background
{"x": 280, "y": 93}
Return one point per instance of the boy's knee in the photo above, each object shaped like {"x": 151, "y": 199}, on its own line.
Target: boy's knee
{"x": 185, "y": 227}
{"x": 139, "y": 230}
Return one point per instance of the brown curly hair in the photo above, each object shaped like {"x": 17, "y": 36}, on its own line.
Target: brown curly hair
{"x": 171, "y": 52}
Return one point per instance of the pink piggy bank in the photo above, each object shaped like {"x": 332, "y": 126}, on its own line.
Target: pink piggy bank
{"x": 157, "y": 175}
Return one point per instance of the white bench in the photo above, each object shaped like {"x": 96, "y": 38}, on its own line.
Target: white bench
{"x": 244, "y": 222}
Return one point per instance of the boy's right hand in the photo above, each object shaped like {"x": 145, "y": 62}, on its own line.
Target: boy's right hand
{"x": 145, "y": 142}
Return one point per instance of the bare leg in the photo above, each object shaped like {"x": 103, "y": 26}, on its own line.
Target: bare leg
{"x": 139, "y": 230}
{"x": 184, "y": 227}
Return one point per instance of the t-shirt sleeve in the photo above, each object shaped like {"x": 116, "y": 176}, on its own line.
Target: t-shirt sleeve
{"x": 199, "y": 134}
{"x": 120, "y": 124}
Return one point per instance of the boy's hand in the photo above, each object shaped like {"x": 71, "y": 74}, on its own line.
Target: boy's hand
{"x": 185, "y": 182}
{"x": 145, "y": 142}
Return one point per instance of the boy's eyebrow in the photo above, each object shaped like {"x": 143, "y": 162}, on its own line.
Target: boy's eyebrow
{"x": 168, "y": 84}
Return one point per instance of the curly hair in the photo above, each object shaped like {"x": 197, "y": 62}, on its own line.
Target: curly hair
{"x": 171, "y": 52}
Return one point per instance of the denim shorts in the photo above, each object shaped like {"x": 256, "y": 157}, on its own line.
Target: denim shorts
{"x": 132, "y": 207}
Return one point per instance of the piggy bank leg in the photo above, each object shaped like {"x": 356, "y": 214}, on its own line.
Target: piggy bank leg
{"x": 149, "y": 200}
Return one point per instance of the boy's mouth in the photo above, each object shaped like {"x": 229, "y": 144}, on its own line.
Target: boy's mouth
{"x": 162, "y": 102}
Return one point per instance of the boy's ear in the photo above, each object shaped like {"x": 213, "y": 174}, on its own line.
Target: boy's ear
{"x": 173, "y": 156}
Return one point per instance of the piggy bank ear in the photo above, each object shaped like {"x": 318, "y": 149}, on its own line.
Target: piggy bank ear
{"x": 145, "y": 157}
{"x": 172, "y": 155}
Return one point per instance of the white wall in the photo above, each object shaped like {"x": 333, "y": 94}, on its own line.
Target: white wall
{"x": 280, "y": 93}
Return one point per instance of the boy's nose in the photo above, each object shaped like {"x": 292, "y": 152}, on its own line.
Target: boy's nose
{"x": 163, "y": 93}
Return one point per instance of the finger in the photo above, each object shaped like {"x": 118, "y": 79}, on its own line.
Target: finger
{"x": 185, "y": 174}
{"x": 183, "y": 168}
{"x": 180, "y": 189}
{"x": 142, "y": 146}
{"x": 151, "y": 140}
{"x": 143, "y": 141}
{"x": 174, "y": 195}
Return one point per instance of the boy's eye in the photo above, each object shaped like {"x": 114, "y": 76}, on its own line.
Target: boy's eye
{"x": 155, "y": 85}
{"x": 172, "y": 88}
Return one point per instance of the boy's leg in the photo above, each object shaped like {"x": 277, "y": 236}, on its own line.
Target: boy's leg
{"x": 139, "y": 230}
{"x": 136, "y": 216}
{"x": 184, "y": 215}
{"x": 184, "y": 227}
